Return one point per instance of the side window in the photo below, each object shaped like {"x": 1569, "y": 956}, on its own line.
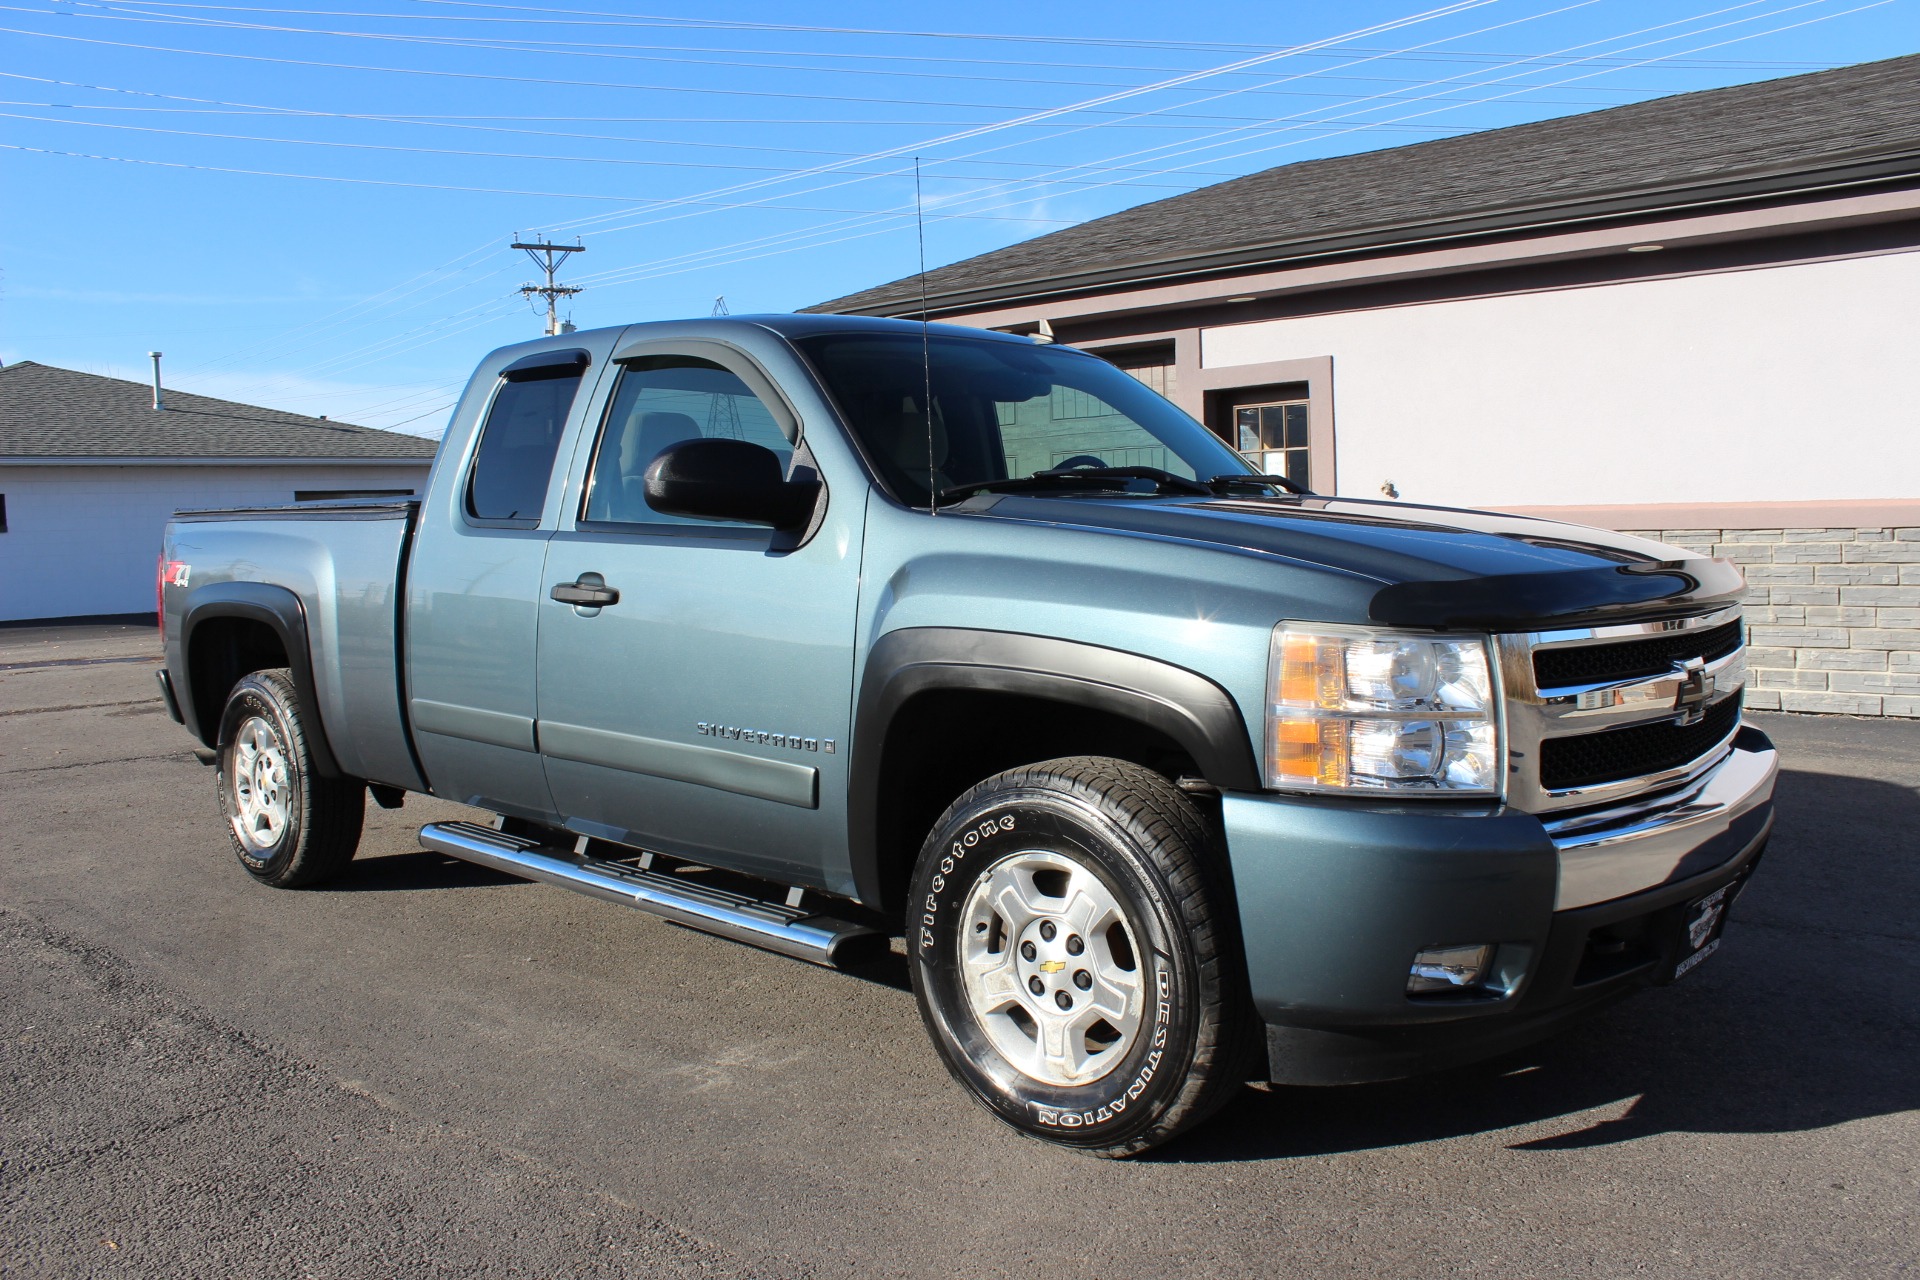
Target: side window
{"x": 660, "y": 401}
{"x": 515, "y": 458}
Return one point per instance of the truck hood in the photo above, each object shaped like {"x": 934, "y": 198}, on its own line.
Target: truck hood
{"x": 1436, "y": 566}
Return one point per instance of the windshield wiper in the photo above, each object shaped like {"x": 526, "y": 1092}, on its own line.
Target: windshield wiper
{"x": 1079, "y": 477}
{"x": 1220, "y": 484}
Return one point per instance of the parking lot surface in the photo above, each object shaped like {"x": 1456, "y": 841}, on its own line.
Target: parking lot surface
{"x": 426, "y": 1069}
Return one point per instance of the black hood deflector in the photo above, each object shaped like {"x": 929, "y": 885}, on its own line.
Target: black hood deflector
{"x": 1521, "y": 601}
{"x": 1437, "y": 566}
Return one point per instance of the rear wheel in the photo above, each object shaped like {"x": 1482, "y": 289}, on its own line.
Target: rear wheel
{"x": 289, "y": 826}
{"x": 1075, "y": 957}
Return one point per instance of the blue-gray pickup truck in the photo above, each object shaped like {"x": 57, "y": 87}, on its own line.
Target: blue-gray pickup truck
{"x": 818, "y": 632}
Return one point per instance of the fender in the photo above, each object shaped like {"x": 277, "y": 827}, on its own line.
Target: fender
{"x": 281, "y": 610}
{"x": 1186, "y": 706}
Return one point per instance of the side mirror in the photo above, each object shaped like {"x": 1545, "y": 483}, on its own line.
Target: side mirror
{"x": 721, "y": 479}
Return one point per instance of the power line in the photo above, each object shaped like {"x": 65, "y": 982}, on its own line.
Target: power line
{"x": 890, "y": 56}
{"x": 680, "y": 24}
{"x": 439, "y": 186}
{"x": 655, "y": 270}
{"x": 976, "y": 131}
{"x": 630, "y": 161}
{"x": 1149, "y": 151}
{"x": 979, "y": 131}
{"x": 1104, "y": 100}
{"x": 654, "y": 20}
{"x": 818, "y": 231}
{"x": 675, "y": 23}
{"x": 1805, "y": 4}
{"x": 604, "y": 51}
{"x": 1650, "y": 61}
{"x": 651, "y": 270}
{"x": 457, "y": 122}
{"x": 487, "y": 319}
{"x": 382, "y": 306}
{"x": 551, "y": 81}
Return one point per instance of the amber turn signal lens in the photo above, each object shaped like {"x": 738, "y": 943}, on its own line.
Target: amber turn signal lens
{"x": 1310, "y": 749}
{"x": 1313, "y": 671}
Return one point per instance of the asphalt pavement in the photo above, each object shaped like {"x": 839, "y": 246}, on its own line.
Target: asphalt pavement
{"x": 426, "y": 1069}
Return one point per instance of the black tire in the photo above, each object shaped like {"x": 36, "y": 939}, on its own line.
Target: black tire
{"x": 1149, "y": 849}
{"x": 289, "y": 826}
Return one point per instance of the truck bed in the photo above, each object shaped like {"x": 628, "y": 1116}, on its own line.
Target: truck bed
{"x": 346, "y": 563}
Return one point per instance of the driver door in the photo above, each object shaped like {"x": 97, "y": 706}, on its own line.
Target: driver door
{"x": 704, "y": 712}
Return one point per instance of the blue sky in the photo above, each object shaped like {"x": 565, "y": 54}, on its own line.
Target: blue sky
{"x": 309, "y": 204}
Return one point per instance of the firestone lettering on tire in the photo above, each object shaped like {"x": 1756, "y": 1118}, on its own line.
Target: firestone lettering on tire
{"x": 930, "y": 913}
{"x": 1116, "y": 1106}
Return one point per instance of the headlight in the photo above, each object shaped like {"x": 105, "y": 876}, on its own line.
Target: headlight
{"x": 1351, "y": 709}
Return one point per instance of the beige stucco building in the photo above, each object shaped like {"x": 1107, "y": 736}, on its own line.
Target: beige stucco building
{"x": 1695, "y": 316}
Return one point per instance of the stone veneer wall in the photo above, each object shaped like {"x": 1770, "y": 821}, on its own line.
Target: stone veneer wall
{"x": 1833, "y": 615}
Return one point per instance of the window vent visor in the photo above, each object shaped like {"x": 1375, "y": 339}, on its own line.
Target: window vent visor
{"x": 570, "y": 363}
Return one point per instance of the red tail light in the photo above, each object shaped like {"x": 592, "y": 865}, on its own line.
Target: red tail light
{"x": 168, "y": 573}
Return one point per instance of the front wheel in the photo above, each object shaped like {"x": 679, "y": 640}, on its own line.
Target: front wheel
{"x": 290, "y": 827}
{"x": 1075, "y": 958}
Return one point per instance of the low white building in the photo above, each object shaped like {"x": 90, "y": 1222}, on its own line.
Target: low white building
{"x": 90, "y": 471}
{"x": 1696, "y": 316}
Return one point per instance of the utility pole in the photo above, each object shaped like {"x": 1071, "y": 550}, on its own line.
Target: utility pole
{"x": 549, "y": 257}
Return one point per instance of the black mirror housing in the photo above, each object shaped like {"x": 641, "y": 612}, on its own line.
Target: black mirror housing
{"x": 722, "y": 479}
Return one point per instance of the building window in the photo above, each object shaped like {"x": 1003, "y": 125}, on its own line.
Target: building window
{"x": 1274, "y": 438}
{"x": 3, "y": 513}
{"x": 337, "y": 495}
{"x": 1150, "y": 365}
{"x": 1071, "y": 402}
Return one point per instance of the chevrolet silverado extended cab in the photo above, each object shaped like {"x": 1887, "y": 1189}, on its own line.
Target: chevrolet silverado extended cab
{"x": 815, "y": 632}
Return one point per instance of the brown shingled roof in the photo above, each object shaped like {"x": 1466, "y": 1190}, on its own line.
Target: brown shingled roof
{"x": 1829, "y": 131}
{"x": 50, "y": 412}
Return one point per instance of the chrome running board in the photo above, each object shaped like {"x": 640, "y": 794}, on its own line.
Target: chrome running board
{"x": 790, "y": 931}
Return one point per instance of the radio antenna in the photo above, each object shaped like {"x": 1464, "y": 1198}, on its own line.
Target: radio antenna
{"x": 926, "y": 357}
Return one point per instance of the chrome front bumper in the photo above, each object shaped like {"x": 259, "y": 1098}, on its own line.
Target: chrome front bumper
{"x": 1611, "y": 853}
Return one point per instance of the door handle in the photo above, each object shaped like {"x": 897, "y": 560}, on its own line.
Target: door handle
{"x": 589, "y": 591}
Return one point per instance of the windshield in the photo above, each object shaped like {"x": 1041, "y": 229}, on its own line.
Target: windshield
{"x": 1001, "y": 410}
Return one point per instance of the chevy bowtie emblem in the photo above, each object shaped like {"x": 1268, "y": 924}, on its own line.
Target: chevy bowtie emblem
{"x": 1696, "y": 686}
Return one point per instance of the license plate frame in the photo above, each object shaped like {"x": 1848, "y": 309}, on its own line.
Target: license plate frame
{"x": 1702, "y": 922}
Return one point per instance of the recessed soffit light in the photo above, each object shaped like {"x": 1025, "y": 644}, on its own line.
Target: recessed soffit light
{"x": 1645, "y": 248}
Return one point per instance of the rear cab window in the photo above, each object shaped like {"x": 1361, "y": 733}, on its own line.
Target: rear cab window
{"x": 507, "y": 483}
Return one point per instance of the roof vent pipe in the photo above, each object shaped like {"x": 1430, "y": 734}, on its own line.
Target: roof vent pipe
{"x": 157, "y": 403}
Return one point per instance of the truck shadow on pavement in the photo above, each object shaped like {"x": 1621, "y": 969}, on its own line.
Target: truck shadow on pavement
{"x": 421, "y": 869}
{"x": 1809, "y": 1017}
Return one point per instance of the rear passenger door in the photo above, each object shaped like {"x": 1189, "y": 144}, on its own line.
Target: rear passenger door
{"x": 705, "y": 712}
{"x": 475, "y": 578}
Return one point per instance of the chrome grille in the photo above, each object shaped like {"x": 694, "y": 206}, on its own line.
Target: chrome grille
{"x": 1613, "y": 755}
{"x": 1632, "y": 659}
{"x": 1597, "y": 714}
